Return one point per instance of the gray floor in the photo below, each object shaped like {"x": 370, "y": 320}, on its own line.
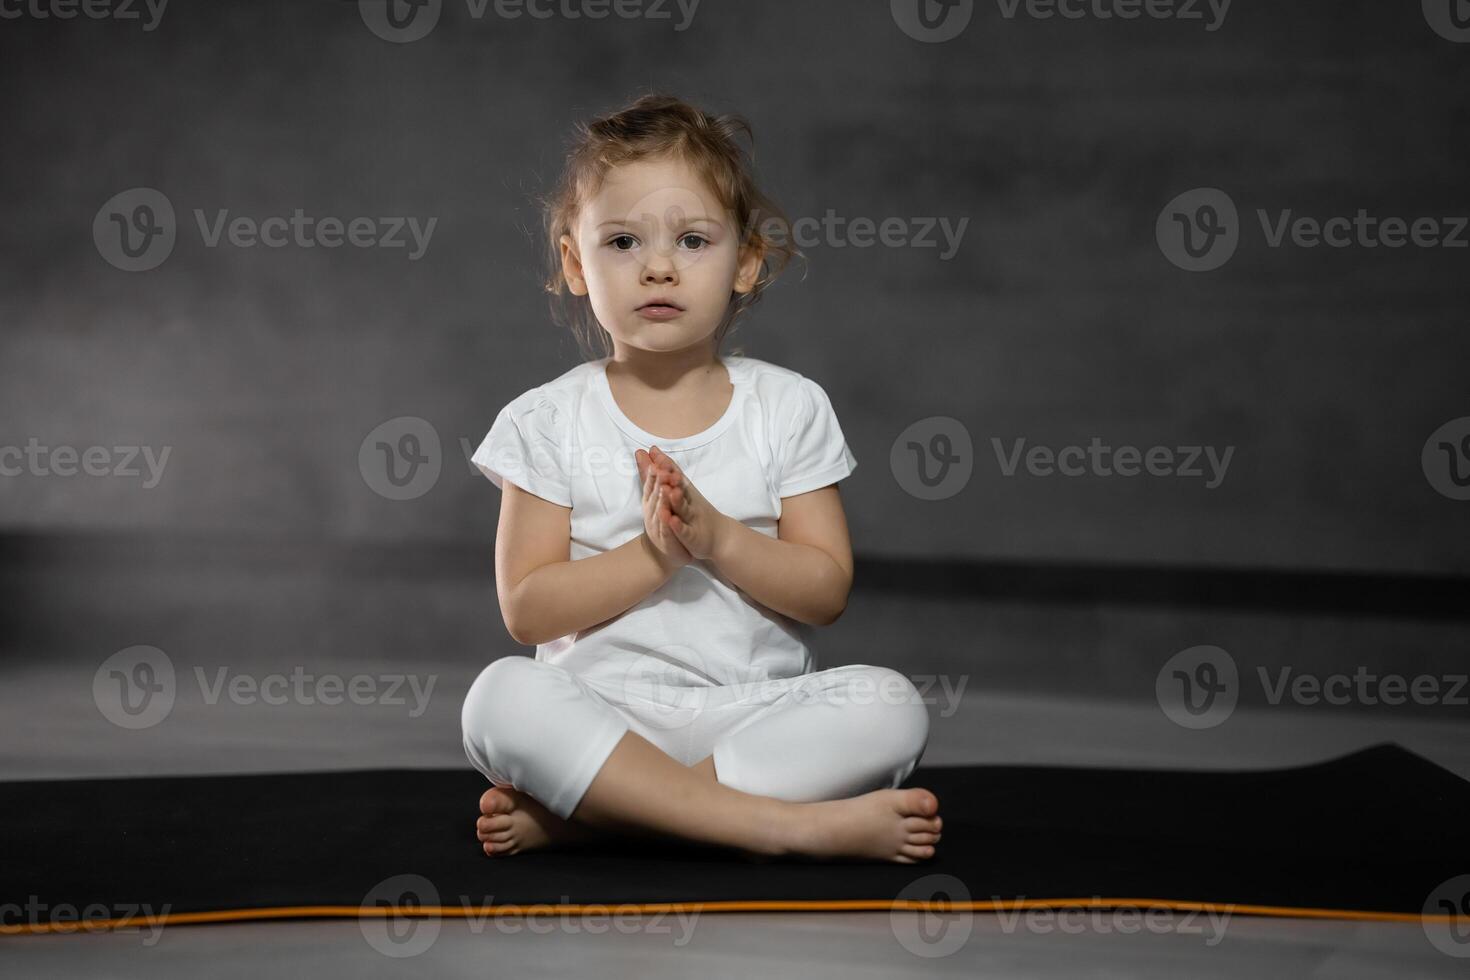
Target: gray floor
{"x": 54, "y": 729}
{"x": 876, "y": 944}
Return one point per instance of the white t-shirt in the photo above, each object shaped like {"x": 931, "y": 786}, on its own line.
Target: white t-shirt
{"x": 568, "y": 442}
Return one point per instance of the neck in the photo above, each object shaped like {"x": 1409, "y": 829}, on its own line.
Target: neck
{"x": 665, "y": 370}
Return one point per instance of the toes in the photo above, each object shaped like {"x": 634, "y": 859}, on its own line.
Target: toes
{"x": 495, "y": 833}
{"x": 919, "y": 802}
{"x": 921, "y": 824}
{"x": 917, "y": 851}
{"x": 501, "y": 821}
{"x": 923, "y": 838}
{"x": 496, "y": 800}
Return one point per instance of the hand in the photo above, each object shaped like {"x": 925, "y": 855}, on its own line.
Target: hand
{"x": 671, "y": 553}
{"x": 695, "y": 522}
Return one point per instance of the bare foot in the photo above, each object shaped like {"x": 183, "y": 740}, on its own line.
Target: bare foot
{"x": 900, "y": 825}
{"x": 511, "y": 821}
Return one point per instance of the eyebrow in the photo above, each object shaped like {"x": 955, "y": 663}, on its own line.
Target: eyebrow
{"x": 687, "y": 221}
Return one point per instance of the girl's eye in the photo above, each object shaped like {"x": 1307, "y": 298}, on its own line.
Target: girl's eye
{"x": 698, "y": 240}
{"x": 623, "y": 238}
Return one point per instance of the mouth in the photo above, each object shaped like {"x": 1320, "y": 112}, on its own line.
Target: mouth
{"x": 659, "y": 304}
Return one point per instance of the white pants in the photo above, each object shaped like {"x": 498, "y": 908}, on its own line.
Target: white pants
{"x": 827, "y": 735}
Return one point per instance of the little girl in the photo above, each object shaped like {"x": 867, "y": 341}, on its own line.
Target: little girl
{"x": 670, "y": 526}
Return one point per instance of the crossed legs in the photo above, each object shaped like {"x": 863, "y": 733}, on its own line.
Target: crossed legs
{"x": 569, "y": 769}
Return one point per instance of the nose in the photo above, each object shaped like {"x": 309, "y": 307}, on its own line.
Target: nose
{"x": 660, "y": 269}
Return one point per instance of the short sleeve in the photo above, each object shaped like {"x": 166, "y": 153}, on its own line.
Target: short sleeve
{"x": 815, "y": 453}
{"x": 525, "y": 445}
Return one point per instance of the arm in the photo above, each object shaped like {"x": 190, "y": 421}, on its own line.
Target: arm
{"x": 806, "y": 571}
{"x": 543, "y": 593}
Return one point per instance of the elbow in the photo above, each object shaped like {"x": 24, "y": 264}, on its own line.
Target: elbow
{"x": 523, "y": 631}
{"x": 829, "y": 617}
{"x": 517, "y": 623}
{"x": 833, "y": 610}
{"x": 519, "y": 635}
{"x": 526, "y": 635}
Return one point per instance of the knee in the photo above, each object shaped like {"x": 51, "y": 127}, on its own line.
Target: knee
{"x": 499, "y": 712}
{"x": 900, "y": 713}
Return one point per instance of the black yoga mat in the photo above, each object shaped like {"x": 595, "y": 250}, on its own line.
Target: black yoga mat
{"x": 1372, "y": 832}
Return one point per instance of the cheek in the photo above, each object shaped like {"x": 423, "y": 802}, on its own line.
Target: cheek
{"x": 605, "y": 270}
{"x": 715, "y": 270}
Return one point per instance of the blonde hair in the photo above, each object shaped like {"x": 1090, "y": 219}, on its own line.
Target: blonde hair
{"x": 657, "y": 126}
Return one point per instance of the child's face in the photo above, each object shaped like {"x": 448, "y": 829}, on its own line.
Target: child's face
{"x": 655, "y": 231}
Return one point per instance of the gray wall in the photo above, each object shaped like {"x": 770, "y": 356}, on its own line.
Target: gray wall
{"x": 1058, "y": 320}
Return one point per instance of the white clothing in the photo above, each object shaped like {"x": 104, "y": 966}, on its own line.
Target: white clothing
{"x": 830, "y": 735}
{"x": 568, "y": 442}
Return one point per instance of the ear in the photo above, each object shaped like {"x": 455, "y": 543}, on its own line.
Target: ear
{"x": 571, "y": 266}
{"x": 748, "y": 269}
